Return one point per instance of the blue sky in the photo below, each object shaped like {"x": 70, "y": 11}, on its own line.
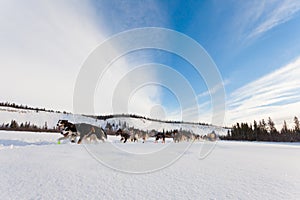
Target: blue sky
{"x": 255, "y": 45}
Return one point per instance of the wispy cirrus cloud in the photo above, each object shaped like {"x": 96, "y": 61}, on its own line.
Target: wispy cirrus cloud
{"x": 254, "y": 18}
{"x": 278, "y": 13}
{"x": 276, "y": 95}
{"x": 203, "y": 112}
{"x": 213, "y": 90}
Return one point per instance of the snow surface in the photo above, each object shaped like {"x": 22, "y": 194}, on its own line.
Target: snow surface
{"x": 34, "y": 166}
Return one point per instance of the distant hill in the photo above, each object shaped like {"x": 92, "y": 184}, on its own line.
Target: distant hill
{"x": 41, "y": 118}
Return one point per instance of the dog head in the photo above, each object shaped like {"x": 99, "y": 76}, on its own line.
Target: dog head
{"x": 62, "y": 123}
{"x": 119, "y": 132}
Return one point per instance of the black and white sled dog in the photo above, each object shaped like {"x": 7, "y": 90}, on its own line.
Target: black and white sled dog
{"x": 160, "y": 135}
{"x": 83, "y": 130}
{"x": 125, "y": 135}
{"x": 132, "y": 135}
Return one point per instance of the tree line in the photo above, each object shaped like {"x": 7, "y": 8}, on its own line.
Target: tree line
{"x": 105, "y": 117}
{"x": 13, "y": 105}
{"x": 264, "y": 131}
{"x": 27, "y": 126}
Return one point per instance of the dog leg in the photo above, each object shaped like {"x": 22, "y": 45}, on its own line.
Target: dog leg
{"x": 79, "y": 141}
{"x": 62, "y": 138}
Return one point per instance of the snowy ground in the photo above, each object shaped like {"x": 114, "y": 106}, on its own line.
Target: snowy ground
{"x": 34, "y": 166}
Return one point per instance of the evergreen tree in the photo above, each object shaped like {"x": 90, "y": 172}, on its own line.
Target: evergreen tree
{"x": 271, "y": 125}
{"x": 262, "y": 125}
{"x": 124, "y": 125}
{"x": 284, "y": 129}
{"x": 297, "y": 125}
{"x": 108, "y": 126}
{"x": 14, "y": 124}
{"x": 255, "y": 130}
{"x": 228, "y": 133}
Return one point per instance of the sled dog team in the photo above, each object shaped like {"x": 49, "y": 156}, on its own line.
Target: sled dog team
{"x": 90, "y": 133}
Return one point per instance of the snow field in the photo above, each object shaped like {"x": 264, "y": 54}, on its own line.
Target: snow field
{"x": 38, "y": 168}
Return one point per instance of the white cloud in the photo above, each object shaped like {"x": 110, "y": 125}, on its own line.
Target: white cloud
{"x": 118, "y": 84}
{"x": 276, "y": 95}
{"x": 213, "y": 90}
{"x": 254, "y": 18}
{"x": 44, "y": 43}
{"x": 278, "y": 12}
{"x": 203, "y": 112}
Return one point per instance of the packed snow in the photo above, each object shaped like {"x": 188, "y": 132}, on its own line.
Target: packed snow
{"x": 34, "y": 166}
